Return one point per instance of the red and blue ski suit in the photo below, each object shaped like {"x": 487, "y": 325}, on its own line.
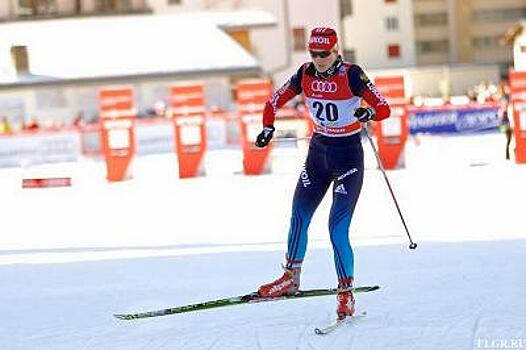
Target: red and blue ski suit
{"x": 335, "y": 154}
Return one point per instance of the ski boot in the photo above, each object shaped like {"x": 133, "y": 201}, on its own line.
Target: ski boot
{"x": 346, "y": 303}
{"x": 288, "y": 284}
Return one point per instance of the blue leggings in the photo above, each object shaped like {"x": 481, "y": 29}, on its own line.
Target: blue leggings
{"x": 339, "y": 161}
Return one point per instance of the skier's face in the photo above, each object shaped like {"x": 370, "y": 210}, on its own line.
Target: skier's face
{"x": 323, "y": 60}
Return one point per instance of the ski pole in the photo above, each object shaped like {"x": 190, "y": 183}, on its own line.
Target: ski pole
{"x": 412, "y": 244}
{"x": 288, "y": 139}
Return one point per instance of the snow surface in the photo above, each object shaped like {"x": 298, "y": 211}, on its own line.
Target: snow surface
{"x": 70, "y": 257}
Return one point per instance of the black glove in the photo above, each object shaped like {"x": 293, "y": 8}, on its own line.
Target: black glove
{"x": 364, "y": 114}
{"x": 265, "y": 136}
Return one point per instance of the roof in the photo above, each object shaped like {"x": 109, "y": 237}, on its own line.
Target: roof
{"x": 237, "y": 19}
{"x": 98, "y": 48}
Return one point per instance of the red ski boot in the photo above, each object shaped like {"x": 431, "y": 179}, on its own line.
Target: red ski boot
{"x": 287, "y": 284}
{"x": 346, "y": 303}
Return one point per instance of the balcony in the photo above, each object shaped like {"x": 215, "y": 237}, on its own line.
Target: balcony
{"x": 19, "y": 10}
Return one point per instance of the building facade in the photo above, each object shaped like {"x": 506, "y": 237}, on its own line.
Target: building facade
{"x": 422, "y": 37}
{"x": 279, "y": 49}
{"x": 11, "y": 10}
{"x": 378, "y": 34}
{"x": 51, "y": 70}
{"x": 429, "y": 32}
{"x": 464, "y": 31}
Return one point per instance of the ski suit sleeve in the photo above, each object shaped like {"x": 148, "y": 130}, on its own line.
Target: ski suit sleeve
{"x": 363, "y": 87}
{"x": 290, "y": 89}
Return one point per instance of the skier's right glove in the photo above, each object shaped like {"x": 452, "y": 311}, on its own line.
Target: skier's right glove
{"x": 364, "y": 114}
{"x": 265, "y": 136}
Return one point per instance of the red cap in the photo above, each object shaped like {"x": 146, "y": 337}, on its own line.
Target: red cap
{"x": 322, "y": 38}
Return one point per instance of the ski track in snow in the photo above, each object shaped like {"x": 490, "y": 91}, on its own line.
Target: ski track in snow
{"x": 74, "y": 262}
{"x": 417, "y": 307}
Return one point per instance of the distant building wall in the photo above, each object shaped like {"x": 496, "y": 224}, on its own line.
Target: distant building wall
{"x": 379, "y": 34}
{"x": 5, "y": 10}
{"x": 13, "y": 9}
{"x": 430, "y": 32}
{"x": 303, "y": 16}
{"x": 443, "y": 80}
{"x": 274, "y": 47}
{"x": 62, "y": 103}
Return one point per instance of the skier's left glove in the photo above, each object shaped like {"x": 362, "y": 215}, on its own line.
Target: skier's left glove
{"x": 265, "y": 136}
{"x": 364, "y": 114}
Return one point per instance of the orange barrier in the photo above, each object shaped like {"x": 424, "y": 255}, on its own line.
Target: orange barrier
{"x": 392, "y": 132}
{"x": 117, "y": 116}
{"x": 518, "y": 102}
{"x": 251, "y": 97}
{"x": 188, "y": 109}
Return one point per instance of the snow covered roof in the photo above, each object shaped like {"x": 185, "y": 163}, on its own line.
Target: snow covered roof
{"x": 238, "y": 19}
{"x": 95, "y": 48}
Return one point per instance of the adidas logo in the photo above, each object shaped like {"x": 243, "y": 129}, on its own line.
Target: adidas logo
{"x": 340, "y": 189}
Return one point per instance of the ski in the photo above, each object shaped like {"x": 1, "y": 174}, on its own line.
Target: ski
{"x": 338, "y": 323}
{"x": 242, "y": 299}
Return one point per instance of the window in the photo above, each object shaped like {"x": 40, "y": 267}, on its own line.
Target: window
{"x": 113, "y": 5}
{"x": 20, "y": 58}
{"x": 298, "y": 39}
{"x": 25, "y": 7}
{"x": 393, "y": 51}
{"x": 391, "y": 24}
{"x": 349, "y": 55}
{"x": 499, "y": 15}
{"x": 433, "y": 46}
{"x": 105, "y": 5}
{"x": 345, "y": 8}
{"x": 431, "y": 20}
{"x": 37, "y": 7}
{"x": 485, "y": 42}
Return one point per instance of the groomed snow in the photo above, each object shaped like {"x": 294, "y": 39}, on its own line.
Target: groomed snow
{"x": 71, "y": 257}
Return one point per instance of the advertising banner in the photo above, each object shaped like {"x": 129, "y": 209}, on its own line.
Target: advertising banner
{"x": 38, "y": 148}
{"x": 453, "y": 119}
